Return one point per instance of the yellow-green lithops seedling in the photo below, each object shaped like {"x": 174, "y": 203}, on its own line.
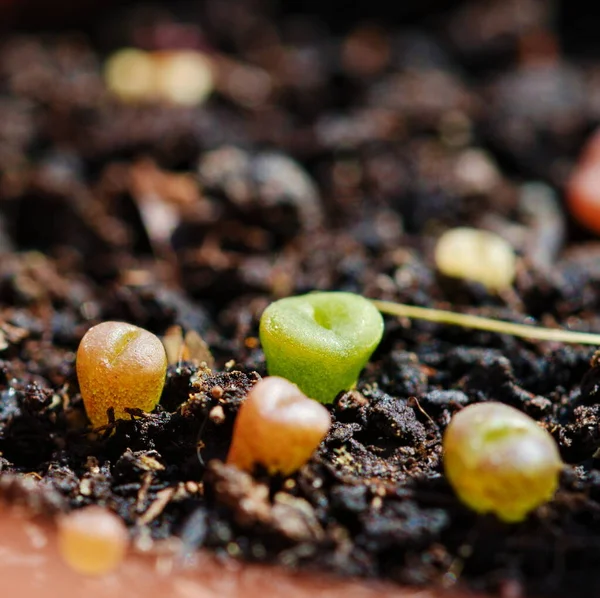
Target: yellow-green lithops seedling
{"x": 500, "y": 461}
{"x": 320, "y": 341}
{"x": 120, "y": 366}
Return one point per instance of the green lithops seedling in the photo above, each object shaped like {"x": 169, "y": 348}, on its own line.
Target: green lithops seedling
{"x": 320, "y": 341}
{"x": 500, "y": 461}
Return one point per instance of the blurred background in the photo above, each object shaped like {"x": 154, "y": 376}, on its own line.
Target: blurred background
{"x": 210, "y": 134}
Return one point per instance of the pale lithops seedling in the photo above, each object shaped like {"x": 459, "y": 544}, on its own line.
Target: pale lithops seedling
{"x": 180, "y": 77}
{"x": 130, "y": 75}
{"x": 476, "y": 255}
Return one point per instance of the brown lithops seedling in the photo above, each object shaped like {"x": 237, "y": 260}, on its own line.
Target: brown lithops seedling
{"x": 500, "y": 461}
{"x": 93, "y": 540}
{"x": 277, "y": 427}
{"x": 120, "y": 366}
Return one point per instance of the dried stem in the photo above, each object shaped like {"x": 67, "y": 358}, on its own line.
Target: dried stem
{"x": 489, "y": 324}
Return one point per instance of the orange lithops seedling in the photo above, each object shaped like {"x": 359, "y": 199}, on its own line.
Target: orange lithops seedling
{"x": 93, "y": 540}
{"x": 277, "y": 427}
{"x": 120, "y": 366}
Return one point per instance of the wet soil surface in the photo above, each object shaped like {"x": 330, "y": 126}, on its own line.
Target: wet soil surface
{"x": 335, "y": 166}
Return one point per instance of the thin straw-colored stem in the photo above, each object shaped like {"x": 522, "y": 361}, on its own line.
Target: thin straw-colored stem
{"x": 489, "y": 324}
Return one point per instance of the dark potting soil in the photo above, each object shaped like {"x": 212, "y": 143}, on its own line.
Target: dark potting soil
{"x": 337, "y": 168}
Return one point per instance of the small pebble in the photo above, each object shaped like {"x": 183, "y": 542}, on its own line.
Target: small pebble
{"x": 92, "y": 541}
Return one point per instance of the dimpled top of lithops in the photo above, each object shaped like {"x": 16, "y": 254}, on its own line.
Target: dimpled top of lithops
{"x": 476, "y": 255}
{"x": 498, "y": 460}
{"x": 93, "y": 540}
{"x": 120, "y": 366}
{"x": 320, "y": 341}
{"x": 277, "y": 427}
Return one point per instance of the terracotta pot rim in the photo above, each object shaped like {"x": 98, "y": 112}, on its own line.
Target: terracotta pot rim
{"x": 30, "y": 566}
